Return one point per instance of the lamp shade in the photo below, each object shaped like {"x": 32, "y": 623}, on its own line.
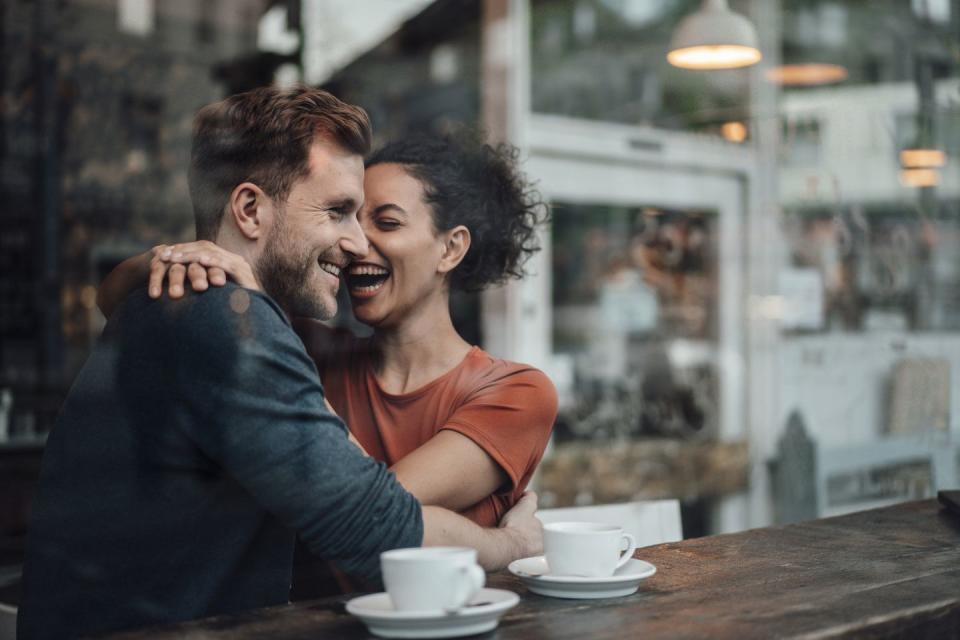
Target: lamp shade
{"x": 806, "y": 74}
{"x": 919, "y": 177}
{"x": 923, "y": 158}
{"x": 714, "y": 38}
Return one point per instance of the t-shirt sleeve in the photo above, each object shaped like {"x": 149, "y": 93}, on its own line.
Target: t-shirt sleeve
{"x": 510, "y": 416}
{"x": 256, "y": 407}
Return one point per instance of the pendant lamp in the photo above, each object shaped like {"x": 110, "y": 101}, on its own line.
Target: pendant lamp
{"x": 714, "y": 37}
{"x": 923, "y": 157}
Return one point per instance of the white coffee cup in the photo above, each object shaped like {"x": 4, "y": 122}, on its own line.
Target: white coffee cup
{"x": 431, "y": 578}
{"x": 586, "y": 548}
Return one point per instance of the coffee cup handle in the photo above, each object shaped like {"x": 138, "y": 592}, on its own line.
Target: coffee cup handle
{"x": 628, "y": 553}
{"x": 472, "y": 579}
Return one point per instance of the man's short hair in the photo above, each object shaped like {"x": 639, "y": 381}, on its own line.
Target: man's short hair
{"x": 264, "y": 136}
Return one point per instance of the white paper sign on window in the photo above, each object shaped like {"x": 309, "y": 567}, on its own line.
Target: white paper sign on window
{"x": 802, "y": 293}
{"x": 136, "y": 16}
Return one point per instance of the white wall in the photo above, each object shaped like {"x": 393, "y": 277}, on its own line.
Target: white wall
{"x": 857, "y": 158}
{"x": 839, "y": 381}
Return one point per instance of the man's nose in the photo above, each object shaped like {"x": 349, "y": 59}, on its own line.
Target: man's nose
{"x": 354, "y": 242}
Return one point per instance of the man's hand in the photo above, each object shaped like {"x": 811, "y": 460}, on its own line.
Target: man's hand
{"x": 520, "y": 534}
{"x": 525, "y": 528}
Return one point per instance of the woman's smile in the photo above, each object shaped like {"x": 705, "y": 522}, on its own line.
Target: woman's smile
{"x": 365, "y": 280}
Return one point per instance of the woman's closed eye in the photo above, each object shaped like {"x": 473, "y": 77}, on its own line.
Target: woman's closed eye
{"x": 387, "y": 224}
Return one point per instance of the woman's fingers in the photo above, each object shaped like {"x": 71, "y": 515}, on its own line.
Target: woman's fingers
{"x": 198, "y": 277}
{"x": 231, "y": 265}
{"x": 158, "y": 271}
{"x": 175, "y": 276}
{"x": 188, "y": 251}
{"x": 218, "y": 263}
{"x": 217, "y": 276}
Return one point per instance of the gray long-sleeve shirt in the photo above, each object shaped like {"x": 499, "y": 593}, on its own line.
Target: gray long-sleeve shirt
{"x": 192, "y": 447}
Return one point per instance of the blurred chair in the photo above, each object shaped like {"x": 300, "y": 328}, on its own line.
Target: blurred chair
{"x": 648, "y": 521}
{"x": 8, "y": 622}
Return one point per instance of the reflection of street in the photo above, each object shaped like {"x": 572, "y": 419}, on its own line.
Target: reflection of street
{"x": 636, "y": 318}
{"x": 880, "y": 272}
{"x": 664, "y": 392}
{"x": 671, "y": 251}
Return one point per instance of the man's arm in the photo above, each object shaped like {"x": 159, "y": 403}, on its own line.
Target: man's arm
{"x": 350, "y": 436}
{"x": 254, "y": 405}
{"x": 252, "y": 402}
{"x": 520, "y": 534}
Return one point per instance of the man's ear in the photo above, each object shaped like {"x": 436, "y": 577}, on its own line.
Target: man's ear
{"x": 456, "y": 243}
{"x": 250, "y": 209}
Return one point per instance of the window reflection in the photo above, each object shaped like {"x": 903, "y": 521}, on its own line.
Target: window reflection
{"x": 98, "y": 100}
{"x": 833, "y": 269}
{"x": 635, "y": 318}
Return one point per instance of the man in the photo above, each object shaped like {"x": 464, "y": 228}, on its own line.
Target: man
{"x": 195, "y": 442}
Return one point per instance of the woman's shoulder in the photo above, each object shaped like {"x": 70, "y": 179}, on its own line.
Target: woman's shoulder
{"x": 505, "y": 397}
{"x": 485, "y": 369}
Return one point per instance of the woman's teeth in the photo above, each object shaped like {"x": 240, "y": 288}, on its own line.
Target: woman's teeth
{"x": 368, "y": 270}
{"x": 364, "y": 278}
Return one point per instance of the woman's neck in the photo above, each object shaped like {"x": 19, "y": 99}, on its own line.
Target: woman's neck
{"x": 422, "y": 348}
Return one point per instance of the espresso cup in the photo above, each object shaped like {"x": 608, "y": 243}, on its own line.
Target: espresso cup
{"x": 431, "y": 578}
{"x": 586, "y": 549}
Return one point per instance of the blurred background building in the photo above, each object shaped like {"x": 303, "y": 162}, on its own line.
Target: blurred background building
{"x": 749, "y": 295}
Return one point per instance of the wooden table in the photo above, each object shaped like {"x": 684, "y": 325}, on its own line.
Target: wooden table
{"x": 892, "y": 572}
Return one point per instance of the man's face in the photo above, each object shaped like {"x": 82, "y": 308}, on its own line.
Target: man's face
{"x": 315, "y": 234}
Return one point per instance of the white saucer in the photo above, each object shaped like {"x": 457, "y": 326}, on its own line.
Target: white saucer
{"x": 535, "y": 574}
{"x": 481, "y": 615}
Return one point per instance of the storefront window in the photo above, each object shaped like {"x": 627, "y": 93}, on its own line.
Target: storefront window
{"x": 846, "y": 244}
{"x": 98, "y": 101}
{"x": 731, "y": 253}
{"x": 636, "y": 320}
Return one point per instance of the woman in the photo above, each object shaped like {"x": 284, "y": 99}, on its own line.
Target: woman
{"x": 460, "y": 428}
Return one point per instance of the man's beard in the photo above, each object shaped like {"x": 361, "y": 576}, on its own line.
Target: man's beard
{"x": 284, "y": 273}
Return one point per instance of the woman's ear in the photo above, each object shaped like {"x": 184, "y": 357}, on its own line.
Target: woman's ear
{"x": 456, "y": 243}
{"x": 249, "y": 207}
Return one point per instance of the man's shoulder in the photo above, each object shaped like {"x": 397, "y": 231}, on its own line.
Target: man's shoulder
{"x": 229, "y": 299}
{"x": 227, "y": 304}
{"x": 200, "y": 321}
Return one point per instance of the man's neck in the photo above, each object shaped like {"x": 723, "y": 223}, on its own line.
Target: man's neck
{"x": 232, "y": 241}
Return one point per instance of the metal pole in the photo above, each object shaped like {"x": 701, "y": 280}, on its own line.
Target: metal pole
{"x": 50, "y": 353}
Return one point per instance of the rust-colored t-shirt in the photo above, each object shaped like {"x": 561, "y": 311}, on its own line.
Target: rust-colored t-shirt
{"x": 507, "y": 409}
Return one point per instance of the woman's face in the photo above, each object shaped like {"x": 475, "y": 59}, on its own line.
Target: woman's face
{"x": 399, "y": 274}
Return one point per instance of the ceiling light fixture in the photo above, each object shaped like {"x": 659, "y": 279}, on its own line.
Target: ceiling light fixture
{"x": 923, "y": 154}
{"x": 734, "y": 131}
{"x": 714, "y": 37}
{"x": 922, "y": 158}
{"x": 806, "y": 74}
{"x": 919, "y": 177}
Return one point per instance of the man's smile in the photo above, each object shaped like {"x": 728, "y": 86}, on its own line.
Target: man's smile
{"x": 331, "y": 268}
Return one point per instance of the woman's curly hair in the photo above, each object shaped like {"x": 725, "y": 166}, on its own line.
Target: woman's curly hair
{"x": 479, "y": 186}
